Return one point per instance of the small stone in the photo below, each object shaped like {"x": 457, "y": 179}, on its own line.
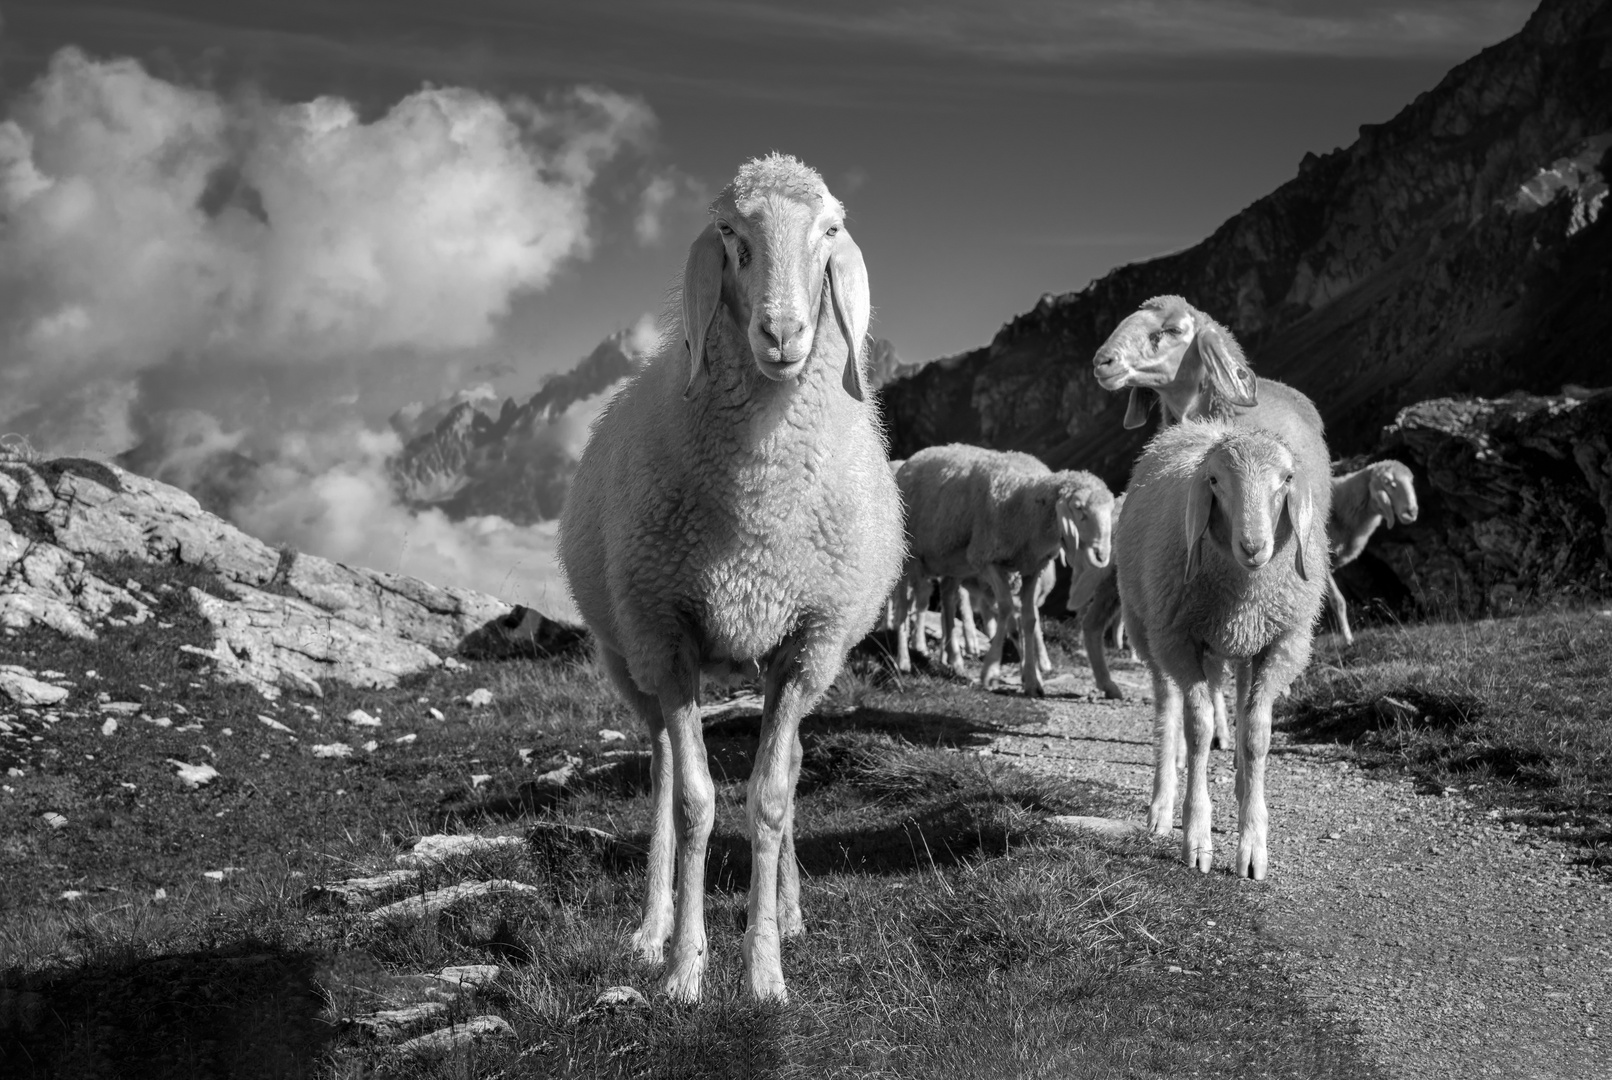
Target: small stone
{"x": 71, "y": 894}
{"x": 436, "y": 714}
{"x": 194, "y": 776}
{"x": 479, "y": 779}
{"x": 332, "y": 750}
{"x": 53, "y": 819}
{"x": 458, "y": 1036}
{"x": 1334, "y": 836}
{"x": 219, "y": 875}
{"x": 369, "y": 747}
{"x": 21, "y": 687}
{"x": 479, "y": 698}
{"x": 360, "y": 718}
{"x": 620, "y": 997}
{"x": 611, "y": 735}
{"x": 273, "y": 724}
{"x": 110, "y": 726}
{"x": 404, "y": 740}
{"x": 120, "y": 708}
{"x": 160, "y": 895}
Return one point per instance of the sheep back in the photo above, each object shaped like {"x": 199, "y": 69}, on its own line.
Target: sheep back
{"x": 968, "y": 506}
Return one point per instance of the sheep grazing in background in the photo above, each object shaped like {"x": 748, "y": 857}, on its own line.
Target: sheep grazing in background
{"x": 1222, "y": 557}
{"x": 990, "y": 514}
{"x": 733, "y": 505}
{"x": 1383, "y": 493}
{"x": 983, "y": 601}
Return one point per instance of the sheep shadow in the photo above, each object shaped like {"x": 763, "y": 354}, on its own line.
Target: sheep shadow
{"x": 199, "y": 1014}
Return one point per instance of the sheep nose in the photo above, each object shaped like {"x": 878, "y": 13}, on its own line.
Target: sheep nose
{"x": 1251, "y": 550}
{"x": 779, "y": 332}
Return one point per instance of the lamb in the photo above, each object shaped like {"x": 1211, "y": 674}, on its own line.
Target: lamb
{"x": 984, "y": 601}
{"x": 734, "y": 505}
{"x": 991, "y": 513}
{"x": 1382, "y": 493}
{"x": 1243, "y": 512}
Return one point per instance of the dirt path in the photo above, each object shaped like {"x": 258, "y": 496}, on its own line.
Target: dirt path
{"x": 1458, "y": 946}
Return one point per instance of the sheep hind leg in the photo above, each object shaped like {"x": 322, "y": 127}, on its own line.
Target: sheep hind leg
{"x": 694, "y": 811}
{"x": 1215, "y": 672}
{"x": 1031, "y": 645}
{"x": 1340, "y": 609}
{"x": 649, "y": 940}
{"x": 951, "y": 632}
{"x": 996, "y": 581}
{"x": 794, "y": 682}
{"x": 1197, "y": 849}
{"x": 1166, "y": 751}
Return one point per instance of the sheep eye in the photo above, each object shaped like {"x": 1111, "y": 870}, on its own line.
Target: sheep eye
{"x": 1214, "y": 481}
{"x": 833, "y": 231}
{"x": 1153, "y": 339}
{"x": 724, "y": 228}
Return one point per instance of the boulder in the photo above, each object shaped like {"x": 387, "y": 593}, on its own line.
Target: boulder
{"x": 279, "y": 620}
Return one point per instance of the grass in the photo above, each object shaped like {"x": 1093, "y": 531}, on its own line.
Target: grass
{"x": 1515, "y": 712}
{"x": 950, "y": 934}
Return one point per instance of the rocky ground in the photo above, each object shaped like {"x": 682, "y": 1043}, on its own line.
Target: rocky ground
{"x": 1455, "y": 944}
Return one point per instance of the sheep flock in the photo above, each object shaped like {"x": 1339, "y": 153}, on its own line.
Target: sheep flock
{"x": 735, "y": 510}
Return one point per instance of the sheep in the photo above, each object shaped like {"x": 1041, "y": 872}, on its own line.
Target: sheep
{"x": 991, "y": 513}
{"x": 984, "y": 601}
{"x": 1222, "y": 558}
{"x": 734, "y": 505}
{"x": 1382, "y": 493}
{"x": 1196, "y": 368}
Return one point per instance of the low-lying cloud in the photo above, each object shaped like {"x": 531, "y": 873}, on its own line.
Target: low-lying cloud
{"x": 247, "y": 270}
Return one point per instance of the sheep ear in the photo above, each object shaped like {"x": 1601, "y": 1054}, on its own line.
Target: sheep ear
{"x": 1299, "y": 513}
{"x": 1136, "y": 409}
{"x": 1200, "y": 501}
{"x": 702, "y": 295}
{"x": 848, "y": 285}
{"x": 1228, "y": 372}
{"x": 1385, "y": 507}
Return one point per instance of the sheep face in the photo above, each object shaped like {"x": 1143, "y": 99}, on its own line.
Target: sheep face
{"x": 1167, "y": 343}
{"x": 1087, "y": 522}
{"x": 1238, "y": 498}
{"x": 777, "y": 241}
{"x": 1393, "y": 493}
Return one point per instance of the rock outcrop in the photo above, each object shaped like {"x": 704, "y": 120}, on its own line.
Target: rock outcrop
{"x": 1516, "y": 501}
{"x": 282, "y": 620}
{"x": 1462, "y": 247}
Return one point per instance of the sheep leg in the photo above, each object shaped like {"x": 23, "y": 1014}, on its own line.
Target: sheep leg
{"x": 1340, "y": 609}
{"x": 950, "y": 632}
{"x": 1102, "y": 609}
{"x": 991, "y": 667}
{"x": 792, "y": 685}
{"x": 1197, "y": 849}
{"x": 922, "y": 589}
{"x": 694, "y": 809}
{"x": 1256, "y": 693}
{"x": 1031, "y": 645}
{"x": 790, "y": 922}
{"x": 965, "y": 611}
{"x": 649, "y": 940}
{"x": 1215, "y": 671}
{"x": 1166, "y": 751}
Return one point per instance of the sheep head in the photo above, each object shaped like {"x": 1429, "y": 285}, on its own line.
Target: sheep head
{"x": 776, "y": 244}
{"x": 1393, "y": 492}
{"x": 1085, "y": 518}
{"x": 1239, "y": 495}
{"x": 1172, "y": 348}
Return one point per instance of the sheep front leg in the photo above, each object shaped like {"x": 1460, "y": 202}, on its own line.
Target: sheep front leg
{"x": 965, "y": 612}
{"x": 790, "y": 922}
{"x": 1197, "y": 849}
{"x": 1340, "y": 609}
{"x": 1259, "y": 683}
{"x": 649, "y": 940}
{"x": 950, "y": 632}
{"x": 792, "y": 685}
{"x": 694, "y": 810}
{"x": 1215, "y": 671}
{"x": 1031, "y": 645}
{"x": 922, "y": 589}
{"x": 1166, "y": 751}
{"x": 996, "y": 580}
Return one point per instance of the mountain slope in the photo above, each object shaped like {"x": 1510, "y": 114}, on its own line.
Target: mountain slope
{"x": 1461, "y": 247}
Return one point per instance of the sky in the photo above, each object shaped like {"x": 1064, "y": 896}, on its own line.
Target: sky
{"x": 265, "y": 225}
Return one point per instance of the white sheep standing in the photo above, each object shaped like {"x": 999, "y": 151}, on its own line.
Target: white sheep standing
{"x": 1382, "y": 493}
{"x": 991, "y": 514}
{"x": 734, "y": 504}
{"x": 1222, "y": 556}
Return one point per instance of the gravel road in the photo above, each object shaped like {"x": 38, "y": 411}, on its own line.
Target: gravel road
{"x": 1458, "y": 945}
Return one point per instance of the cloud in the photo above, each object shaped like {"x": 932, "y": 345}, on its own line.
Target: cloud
{"x": 215, "y": 283}
{"x": 672, "y": 195}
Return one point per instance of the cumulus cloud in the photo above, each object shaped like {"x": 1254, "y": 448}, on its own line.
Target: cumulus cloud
{"x": 219, "y": 277}
{"x": 669, "y": 198}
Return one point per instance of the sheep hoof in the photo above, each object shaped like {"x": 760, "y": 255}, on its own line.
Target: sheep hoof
{"x": 1158, "y": 821}
{"x": 791, "y": 926}
{"x": 1197, "y": 855}
{"x": 1113, "y": 692}
{"x": 683, "y": 984}
{"x": 649, "y": 943}
{"x": 1251, "y": 861}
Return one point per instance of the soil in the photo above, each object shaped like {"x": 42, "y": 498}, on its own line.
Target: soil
{"x": 1454, "y": 943}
